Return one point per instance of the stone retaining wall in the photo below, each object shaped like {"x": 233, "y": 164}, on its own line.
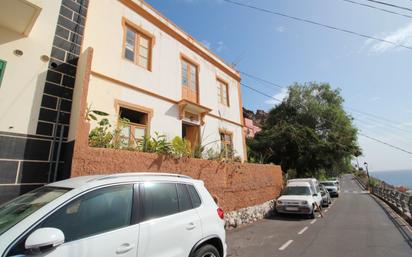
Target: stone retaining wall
{"x": 249, "y": 215}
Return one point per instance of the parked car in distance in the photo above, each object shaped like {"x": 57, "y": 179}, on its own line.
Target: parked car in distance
{"x": 115, "y": 215}
{"x": 332, "y": 187}
{"x": 298, "y": 198}
{"x": 326, "y": 200}
{"x": 336, "y": 181}
{"x": 314, "y": 185}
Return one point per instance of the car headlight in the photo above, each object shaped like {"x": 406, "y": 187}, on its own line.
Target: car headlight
{"x": 304, "y": 202}
{"x": 279, "y": 202}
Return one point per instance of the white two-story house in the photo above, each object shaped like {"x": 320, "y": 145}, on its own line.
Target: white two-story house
{"x": 144, "y": 68}
{"x": 149, "y": 71}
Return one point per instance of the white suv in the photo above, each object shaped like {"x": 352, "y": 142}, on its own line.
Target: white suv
{"x": 132, "y": 214}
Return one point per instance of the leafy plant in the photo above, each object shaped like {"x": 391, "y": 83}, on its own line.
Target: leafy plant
{"x": 91, "y": 114}
{"x": 181, "y": 147}
{"x": 101, "y": 136}
{"x": 198, "y": 151}
{"x": 117, "y": 142}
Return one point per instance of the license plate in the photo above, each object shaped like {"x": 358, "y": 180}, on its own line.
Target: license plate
{"x": 292, "y": 208}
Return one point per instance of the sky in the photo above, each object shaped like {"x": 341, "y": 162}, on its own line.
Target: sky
{"x": 374, "y": 77}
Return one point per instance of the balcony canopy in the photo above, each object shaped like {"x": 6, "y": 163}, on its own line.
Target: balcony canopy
{"x": 19, "y": 15}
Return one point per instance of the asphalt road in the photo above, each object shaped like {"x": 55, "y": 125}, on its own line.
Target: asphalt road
{"x": 355, "y": 225}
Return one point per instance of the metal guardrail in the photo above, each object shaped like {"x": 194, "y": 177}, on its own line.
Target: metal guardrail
{"x": 400, "y": 200}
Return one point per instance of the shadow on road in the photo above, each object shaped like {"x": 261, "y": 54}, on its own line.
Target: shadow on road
{"x": 401, "y": 228}
{"x": 287, "y": 217}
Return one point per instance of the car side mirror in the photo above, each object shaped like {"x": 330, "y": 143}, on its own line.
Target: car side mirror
{"x": 44, "y": 239}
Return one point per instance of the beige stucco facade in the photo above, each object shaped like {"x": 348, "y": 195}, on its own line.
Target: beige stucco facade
{"x": 25, "y": 75}
{"x": 114, "y": 78}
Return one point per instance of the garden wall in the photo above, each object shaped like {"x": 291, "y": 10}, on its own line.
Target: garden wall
{"x": 235, "y": 185}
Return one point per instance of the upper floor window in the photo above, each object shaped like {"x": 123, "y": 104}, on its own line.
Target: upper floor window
{"x": 223, "y": 92}
{"x": 190, "y": 80}
{"x": 2, "y": 69}
{"x": 138, "y": 47}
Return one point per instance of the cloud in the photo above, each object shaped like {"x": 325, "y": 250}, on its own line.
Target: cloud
{"x": 220, "y": 46}
{"x": 280, "y": 29}
{"x": 402, "y": 36}
{"x": 406, "y": 125}
{"x": 282, "y": 94}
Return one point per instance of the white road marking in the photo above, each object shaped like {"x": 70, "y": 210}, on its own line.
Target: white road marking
{"x": 355, "y": 192}
{"x": 313, "y": 221}
{"x": 326, "y": 211}
{"x": 346, "y": 191}
{"x": 285, "y": 245}
{"x": 303, "y": 230}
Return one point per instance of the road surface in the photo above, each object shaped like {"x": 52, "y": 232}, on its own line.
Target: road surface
{"x": 355, "y": 225}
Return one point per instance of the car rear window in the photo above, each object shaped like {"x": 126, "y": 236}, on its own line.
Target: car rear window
{"x": 194, "y": 196}
{"x": 159, "y": 200}
{"x": 185, "y": 203}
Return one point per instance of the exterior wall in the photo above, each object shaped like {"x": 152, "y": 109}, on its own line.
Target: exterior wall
{"x": 234, "y": 185}
{"x": 35, "y": 97}
{"x": 251, "y": 129}
{"x": 21, "y": 92}
{"x": 164, "y": 79}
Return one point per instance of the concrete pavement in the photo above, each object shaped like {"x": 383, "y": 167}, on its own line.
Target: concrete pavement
{"x": 356, "y": 225}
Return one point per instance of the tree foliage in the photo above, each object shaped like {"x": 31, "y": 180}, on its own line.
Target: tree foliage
{"x": 308, "y": 132}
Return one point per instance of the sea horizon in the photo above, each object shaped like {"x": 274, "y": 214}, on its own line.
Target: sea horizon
{"x": 394, "y": 177}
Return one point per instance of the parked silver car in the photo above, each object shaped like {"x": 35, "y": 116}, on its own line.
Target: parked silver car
{"x": 326, "y": 199}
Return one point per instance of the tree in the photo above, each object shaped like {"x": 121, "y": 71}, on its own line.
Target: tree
{"x": 308, "y": 132}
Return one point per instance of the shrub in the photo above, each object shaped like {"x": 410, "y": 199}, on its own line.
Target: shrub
{"x": 101, "y": 136}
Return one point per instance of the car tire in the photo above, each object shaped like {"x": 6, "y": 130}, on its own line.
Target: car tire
{"x": 206, "y": 251}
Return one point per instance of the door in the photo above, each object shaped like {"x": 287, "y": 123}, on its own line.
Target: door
{"x": 95, "y": 224}
{"x": 191, "y": 133}
{"x": 171, "y": 225}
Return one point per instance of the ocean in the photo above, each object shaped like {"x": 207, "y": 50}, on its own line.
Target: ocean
{"x": 395, "y": 177}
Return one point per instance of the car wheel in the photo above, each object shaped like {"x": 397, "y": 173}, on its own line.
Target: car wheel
{"x": 206, "y": 251}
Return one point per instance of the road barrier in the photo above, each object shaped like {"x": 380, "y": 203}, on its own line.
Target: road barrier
{"x": 402, "y": 201}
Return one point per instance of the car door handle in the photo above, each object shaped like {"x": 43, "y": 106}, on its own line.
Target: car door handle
{"x": 124, "y": 248}
{"x": 190, "y": 226}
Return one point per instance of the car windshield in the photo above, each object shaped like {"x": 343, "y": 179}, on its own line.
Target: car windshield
{"x": 296, "y": 190}
{"x": 328, "y": 184}
{"x": 16, "y": 210}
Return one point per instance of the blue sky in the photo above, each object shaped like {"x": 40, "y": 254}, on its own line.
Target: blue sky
{"x": 374, "y": 77}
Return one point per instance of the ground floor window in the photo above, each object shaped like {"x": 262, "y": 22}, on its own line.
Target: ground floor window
{"x": 226, "y": 140}
{"x": 133, "y": 125}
